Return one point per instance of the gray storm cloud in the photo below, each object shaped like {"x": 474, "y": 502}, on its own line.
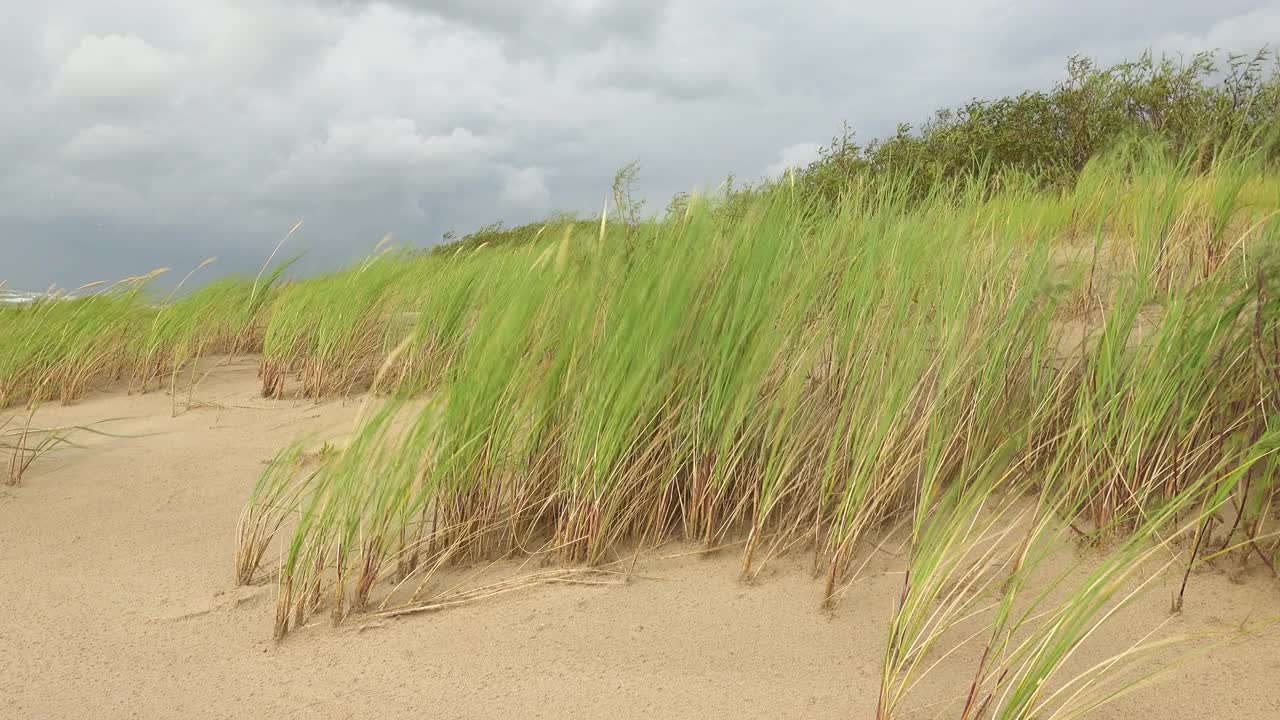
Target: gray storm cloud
{"x": 142, "y": 133}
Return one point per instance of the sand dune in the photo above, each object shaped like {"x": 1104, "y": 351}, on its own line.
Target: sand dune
{"x": 118, "y": 601}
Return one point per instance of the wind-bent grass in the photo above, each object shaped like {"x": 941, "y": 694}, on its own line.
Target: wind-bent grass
{"x": 226, "y": 317}
{"x": 24, "y": 443}
{"x": 333, "y": 330}
{"x": 807, "y": 377}
{"x": 59, "y": 347}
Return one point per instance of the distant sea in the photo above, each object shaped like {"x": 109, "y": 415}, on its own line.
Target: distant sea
{"x": 17, "y": 297}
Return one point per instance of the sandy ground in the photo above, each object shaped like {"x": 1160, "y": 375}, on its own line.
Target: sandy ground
{"x": 116, "y": 600}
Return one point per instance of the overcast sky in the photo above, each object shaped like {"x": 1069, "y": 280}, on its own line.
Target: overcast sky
{"x": 139, "y": 133}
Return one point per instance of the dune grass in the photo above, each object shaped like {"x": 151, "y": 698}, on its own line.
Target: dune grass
{"x": 25, "y": 443}
{"x": 63, "y": 345}
{"x": 801, "y": 378}
{"x": 59, "y": 347}
{"x": 225, "y": 317}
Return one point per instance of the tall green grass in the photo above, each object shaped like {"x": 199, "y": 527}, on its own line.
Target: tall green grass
{"x": 331, "y": 330}
{"x": 58, "y": 347}
{"x": 225, "y": 317}
{"x": 61, "y": 346}
{"x": 811, "y": 380}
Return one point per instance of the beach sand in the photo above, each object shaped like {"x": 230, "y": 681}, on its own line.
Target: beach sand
{"x": 117, "y": 601}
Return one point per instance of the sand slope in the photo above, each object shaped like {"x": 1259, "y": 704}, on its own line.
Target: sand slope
{"x": 117, "y": 601}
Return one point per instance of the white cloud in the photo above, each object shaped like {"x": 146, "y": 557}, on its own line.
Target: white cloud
{"x": 106, "y": 143}
{"x": 395, "y": 143}
{"x": 388, "y": 156}
{"x": 526, "y": 189}
{"x": 796, "y": 156}
{"x": 1245, "y": 32}
{"x": 116, "y": 69}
